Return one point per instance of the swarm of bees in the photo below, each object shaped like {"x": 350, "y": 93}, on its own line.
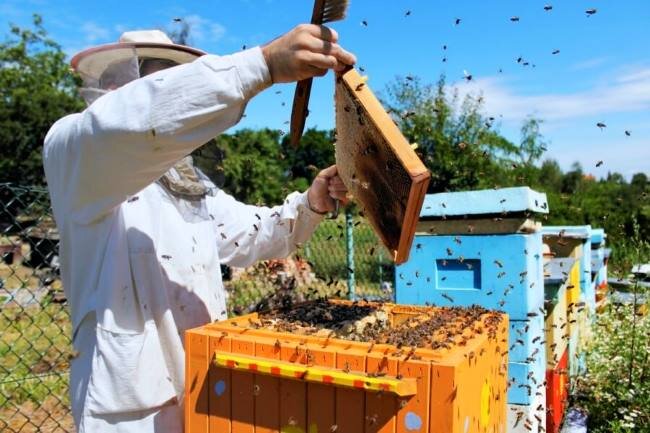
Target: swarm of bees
{"x": 432, "y": 328}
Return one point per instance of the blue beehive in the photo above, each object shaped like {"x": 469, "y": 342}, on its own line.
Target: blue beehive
{"x": 598, "y": 262}
{"x": 582, "y": 233}
{"x": 484, "y": 247}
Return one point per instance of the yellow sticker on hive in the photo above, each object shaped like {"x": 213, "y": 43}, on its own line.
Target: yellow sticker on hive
{"x": 485, "y": 405}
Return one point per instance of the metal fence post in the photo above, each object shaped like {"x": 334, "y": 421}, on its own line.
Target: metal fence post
{"x": 349, "y": 246}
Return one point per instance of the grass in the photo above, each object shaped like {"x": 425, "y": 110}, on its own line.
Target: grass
{"x": 34, "y": 354}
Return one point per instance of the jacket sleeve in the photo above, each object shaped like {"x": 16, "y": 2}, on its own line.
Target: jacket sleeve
{"x": 128, "y": 138}
{"x": 246, "y": 233}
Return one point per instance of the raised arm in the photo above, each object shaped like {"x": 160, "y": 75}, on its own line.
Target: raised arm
{"x": 129, "y": 137}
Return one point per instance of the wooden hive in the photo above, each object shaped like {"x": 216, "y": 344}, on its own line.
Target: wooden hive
{"x": 240, "y": 378}
{"x": 557, "y": 395}
{"x": 378, "y": 166}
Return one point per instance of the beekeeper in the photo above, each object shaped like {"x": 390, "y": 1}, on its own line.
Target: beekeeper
{"x": 143, "y": 232}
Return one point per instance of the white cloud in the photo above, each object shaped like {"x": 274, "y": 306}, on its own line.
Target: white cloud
{"x": 204, "y": 30}
{"x": 588, "y": 64}
{"x": 629, "y": 91}
{"x": 94, "y": 32}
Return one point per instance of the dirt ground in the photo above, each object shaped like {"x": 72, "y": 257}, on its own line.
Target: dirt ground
{"x": 52, "y": 416}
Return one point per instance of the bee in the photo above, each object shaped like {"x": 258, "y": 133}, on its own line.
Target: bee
{"x": 364, "y": 23}
{"x": 457, "y": 21}
{"x": 628, "y": 133}
{"x": 450, "y": 252}
{"x": 359, "y": 87}
{"x": 599, "y": 163}
{"x": 514, "y": 19}
{"x": 333, "y": 428}
{"x": 498, "y": 263}
{"x": 407, "y": 13}
{"x": 555, "y": 52}
{"x": 601, "y": 125}
{"x": 133, "y": 199}
{"x": 591, "y": 11}
{"x": 548, "y": 8}
{"x": 166, "y": 256}
{"x": 449, "y": 298}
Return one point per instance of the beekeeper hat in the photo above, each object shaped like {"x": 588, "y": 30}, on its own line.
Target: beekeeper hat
{"x": 92, "y": 62}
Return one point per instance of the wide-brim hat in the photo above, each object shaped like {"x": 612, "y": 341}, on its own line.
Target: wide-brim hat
{"x": 140, "y": 43}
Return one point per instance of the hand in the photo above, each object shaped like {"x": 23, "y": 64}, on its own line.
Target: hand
{"x": 326, "y": 187}
{"x": 306, "y": 51}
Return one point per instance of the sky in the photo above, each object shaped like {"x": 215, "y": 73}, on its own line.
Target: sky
{"x": 601, "y": 73}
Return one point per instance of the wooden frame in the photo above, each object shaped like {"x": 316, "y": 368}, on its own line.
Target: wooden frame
{"x": 378, "y": 165}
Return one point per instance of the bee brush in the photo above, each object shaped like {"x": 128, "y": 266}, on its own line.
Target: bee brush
{"x": 325, "y": 11}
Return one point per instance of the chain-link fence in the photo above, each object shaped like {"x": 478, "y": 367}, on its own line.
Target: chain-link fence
{"x": 343, "y": 258}
{"x": 34, "y": 321}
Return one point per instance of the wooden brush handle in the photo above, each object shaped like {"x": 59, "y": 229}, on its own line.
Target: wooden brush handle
{"x": 299, "y": 110}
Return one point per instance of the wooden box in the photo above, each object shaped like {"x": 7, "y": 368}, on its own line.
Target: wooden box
{"x": 557, "y": 393}
{"x": 243, "y": 379}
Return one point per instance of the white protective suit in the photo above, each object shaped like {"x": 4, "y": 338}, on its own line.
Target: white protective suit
{"x": 138, "y": 272}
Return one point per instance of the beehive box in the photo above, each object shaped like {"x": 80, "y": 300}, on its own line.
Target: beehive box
{"x": 558, "y": 296}
{"x": 261, "y": 373}
{"x": 477, "y": 247}
{"x": 603, "y": 288}
{"x": 561, "y": 240}
{"x": 598, "y": 265}
{"x": 530, "y": 418}
{"x": 556, "y": 325}
{"x": 557, "y": 394}
{"x": 485, "y": 247}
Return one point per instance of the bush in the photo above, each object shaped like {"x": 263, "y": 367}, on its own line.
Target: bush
{"x": 616, "y": 389}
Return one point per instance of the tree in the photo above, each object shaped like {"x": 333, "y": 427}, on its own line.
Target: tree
{"x": 532, "y": 145}
{"x": 459, "y": 144}
{"x": 250, "y": 165}
{"x": 315, "y": 152}
{"x": 37, "y": 88}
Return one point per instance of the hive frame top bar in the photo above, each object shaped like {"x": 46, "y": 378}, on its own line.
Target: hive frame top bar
{"x": 443, "y": 356}
{"x": 484, "y": 202}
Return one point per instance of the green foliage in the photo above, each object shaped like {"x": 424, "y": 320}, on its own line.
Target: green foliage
{"x": 256, "y": 167}
{"x": 37, "y": 88}
{"x": 456, "y": 141}
{"x": 616, "y": 388}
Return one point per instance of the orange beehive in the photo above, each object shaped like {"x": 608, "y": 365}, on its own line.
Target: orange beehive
{"x": 557, "y": 393}
{"x": 241, "y": 377}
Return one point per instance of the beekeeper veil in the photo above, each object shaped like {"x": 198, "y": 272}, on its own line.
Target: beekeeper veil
{"x": 137, "y": 53}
